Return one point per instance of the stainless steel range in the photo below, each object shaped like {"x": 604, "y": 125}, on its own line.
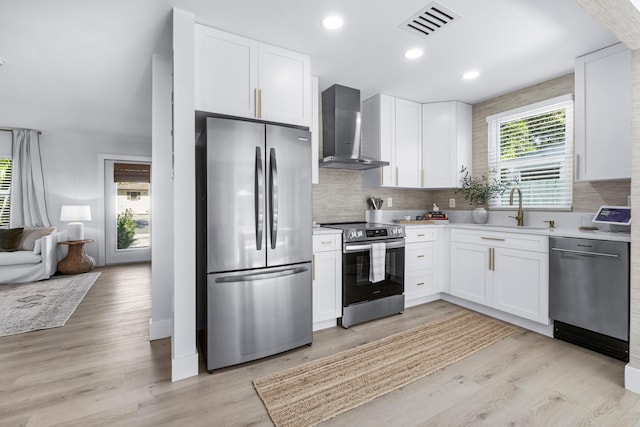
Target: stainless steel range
{"x": 372, "y": 271}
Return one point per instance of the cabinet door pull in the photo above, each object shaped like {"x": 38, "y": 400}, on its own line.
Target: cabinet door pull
{"x": 326, "y": 242}
{"x": 498, "y": 239}
{"x": 420, "y": 284}
{"x": 256, "y": 102}
{"x": 493, "y": 259}
{"x": 260, "y": 92}
{"x": 490, "y": 259}
{"x": 314, "y": 266}
{"x": 420, "y": 235}
{"x": 577, "y": 167}
{"x": 397, "y": 177}
{"x": 420, "y": 256}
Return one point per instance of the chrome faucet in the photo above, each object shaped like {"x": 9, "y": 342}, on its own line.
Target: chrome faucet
{"x": 520, "y": 215}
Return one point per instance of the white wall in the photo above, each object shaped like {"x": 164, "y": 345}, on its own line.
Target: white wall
{"x": 184, "y": 362}
{"x": 71, "y": 166}
{"x": 5, "y": 144}
{"x": 161, "y": 323}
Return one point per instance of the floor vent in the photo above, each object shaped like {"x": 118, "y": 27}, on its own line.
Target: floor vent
{"x": 433, "y": 18}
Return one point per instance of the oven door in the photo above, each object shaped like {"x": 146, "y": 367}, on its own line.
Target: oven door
{"x": 356, "y": 286}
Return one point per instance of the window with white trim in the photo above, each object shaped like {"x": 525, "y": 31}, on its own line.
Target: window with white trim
{"x": 533, "y": 145}
{"x": 5, "y": 191}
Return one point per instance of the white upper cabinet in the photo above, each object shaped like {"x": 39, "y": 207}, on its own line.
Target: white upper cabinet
{"x": 408, "y": 144}
{"x": 284, "y": 80}
{"x": 603, "y": 114}
{"x": 446, "y": 143}
{"x": 426, "y": 145}
{"x": 391, "y": 131}
{"x": 315, "y": 127}
{"x": 242, "y": 77}
{"x": 378, "y": 138}
{"x": 226, "y": 72}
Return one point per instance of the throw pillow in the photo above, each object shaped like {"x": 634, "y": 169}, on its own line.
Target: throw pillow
{"x": 10, "y": 239}
{"x": 31, "y": 234}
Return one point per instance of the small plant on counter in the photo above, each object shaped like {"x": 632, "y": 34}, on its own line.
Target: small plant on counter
{"x": 478, "y": 190}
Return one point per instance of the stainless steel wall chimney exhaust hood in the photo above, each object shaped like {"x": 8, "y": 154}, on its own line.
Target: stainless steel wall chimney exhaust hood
{"x": 341, "y": 131}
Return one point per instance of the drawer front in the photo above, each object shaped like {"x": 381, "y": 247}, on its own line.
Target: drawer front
{"x": 420, "y": 234}
{"x": 418, "y": 257}
{"x": 327, "y": 242}
{"x": 419, "y": 284}
{"x": 496, "y": 239}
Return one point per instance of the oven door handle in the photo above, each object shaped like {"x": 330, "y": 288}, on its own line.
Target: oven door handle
{"x": 361, "y": 248}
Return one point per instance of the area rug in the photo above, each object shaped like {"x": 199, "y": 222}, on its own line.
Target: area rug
{"x": 321, "y": 389}
{"x": 26, "y": 307}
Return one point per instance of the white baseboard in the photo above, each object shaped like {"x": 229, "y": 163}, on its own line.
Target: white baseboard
{"x": 160, "y": 329}
{"x": 184, "y": 366}
{"x": 421, "y": 300}
{"x": 324, "y": 324}
{"x": 632, "y": 378}
{"x": 510, "y": 318}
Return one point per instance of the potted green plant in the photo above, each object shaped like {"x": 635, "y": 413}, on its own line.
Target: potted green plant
{"x": 478, "y": 191}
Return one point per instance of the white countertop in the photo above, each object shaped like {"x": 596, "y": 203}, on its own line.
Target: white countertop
{"x": 556, "y": 232}
{"x": 325, "y": 230}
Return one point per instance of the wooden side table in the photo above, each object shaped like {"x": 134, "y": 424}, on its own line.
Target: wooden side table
{"x": 77, "y": 261}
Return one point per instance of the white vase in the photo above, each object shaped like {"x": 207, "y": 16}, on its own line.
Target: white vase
{"x": 479, "y": 215}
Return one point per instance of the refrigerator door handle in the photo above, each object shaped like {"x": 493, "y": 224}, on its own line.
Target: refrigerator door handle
{"x": 262, "y": 276}
{"x": 273, "y": 194}
{"x": 259, "y": 199}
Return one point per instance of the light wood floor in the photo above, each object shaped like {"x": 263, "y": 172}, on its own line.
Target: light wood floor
{"x": 100, "y": 369}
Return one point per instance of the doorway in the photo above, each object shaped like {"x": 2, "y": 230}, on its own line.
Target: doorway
{"x": 127, "y": 211}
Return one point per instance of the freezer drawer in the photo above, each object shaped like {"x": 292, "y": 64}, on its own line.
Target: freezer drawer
{"x": 257, "y": 313}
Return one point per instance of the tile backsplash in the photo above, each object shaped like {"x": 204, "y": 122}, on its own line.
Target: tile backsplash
{"x": 341, "y": 197}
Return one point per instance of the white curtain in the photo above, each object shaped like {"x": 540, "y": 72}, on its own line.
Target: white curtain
{"x": 28, "y": 205}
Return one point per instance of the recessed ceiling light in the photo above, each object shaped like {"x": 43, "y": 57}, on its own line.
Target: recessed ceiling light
{"x": 413, "y": 53}
{"x": 470, "y": 75}
{"x": 333, "y": 22}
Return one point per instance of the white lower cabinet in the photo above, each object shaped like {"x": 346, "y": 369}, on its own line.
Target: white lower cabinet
{"x": 508, "y": 272}
{"x": 327, "y": 280}
{"x": 470, "y": 273}
{"x": 423, "y": 264}
{"x": 521, "y": 283}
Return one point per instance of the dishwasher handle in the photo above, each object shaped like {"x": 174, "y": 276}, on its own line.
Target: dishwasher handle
{"x": 585, "y": 253}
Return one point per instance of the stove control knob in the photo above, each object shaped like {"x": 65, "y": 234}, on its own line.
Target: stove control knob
{"x": 392, "y": 231}
{"x": 360, "y": 234}
{"x": 352, "y": 234}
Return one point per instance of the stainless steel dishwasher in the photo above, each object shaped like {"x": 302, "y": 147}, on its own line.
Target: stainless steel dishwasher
{"x": 589, "y": 294}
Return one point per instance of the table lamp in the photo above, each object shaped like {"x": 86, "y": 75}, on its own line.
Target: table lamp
{"x": 75, "y": 214}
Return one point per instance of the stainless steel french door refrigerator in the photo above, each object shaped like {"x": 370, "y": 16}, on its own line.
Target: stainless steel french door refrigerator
{"x": 258, "y": 236}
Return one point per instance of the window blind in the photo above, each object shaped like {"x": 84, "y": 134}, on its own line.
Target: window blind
{"x": 131, "y": 172}
{"x": 5, "y": 192}
{"x": 533, "y": 146}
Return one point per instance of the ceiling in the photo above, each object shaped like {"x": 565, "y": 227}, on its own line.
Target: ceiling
{"x": 78, "y": 66}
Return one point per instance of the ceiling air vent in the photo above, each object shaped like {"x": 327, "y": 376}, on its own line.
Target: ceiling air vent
{"x": 434, "y": 17}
